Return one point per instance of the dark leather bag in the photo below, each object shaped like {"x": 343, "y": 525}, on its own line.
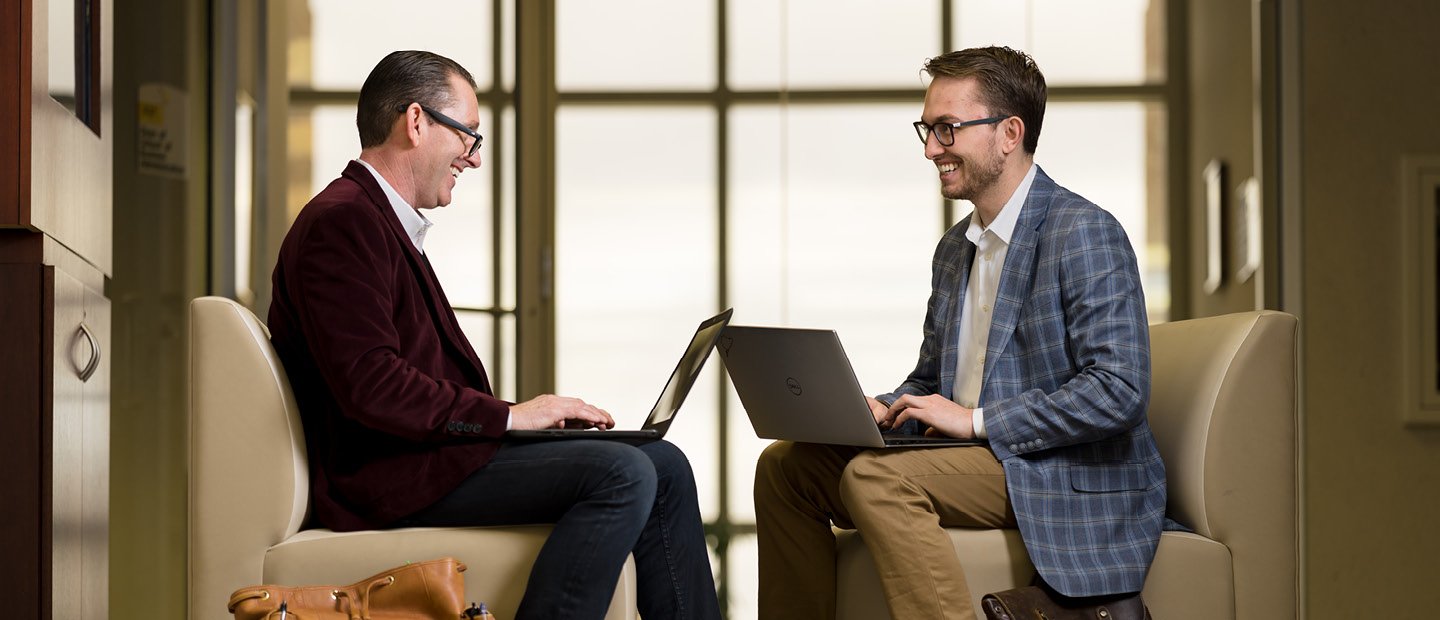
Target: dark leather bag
{"x": 1034, "y": 603}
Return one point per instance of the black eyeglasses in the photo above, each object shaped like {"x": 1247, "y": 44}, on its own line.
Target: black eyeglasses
{"x": 945, "y": 132}
{"x": 458, "y": 126}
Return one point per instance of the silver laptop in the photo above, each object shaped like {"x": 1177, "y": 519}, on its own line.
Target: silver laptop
{"x": 676, "y": 389}
{"x": 798, "y": 385}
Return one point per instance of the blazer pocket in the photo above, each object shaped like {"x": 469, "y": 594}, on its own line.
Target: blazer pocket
{"x": 1108, "y": 477}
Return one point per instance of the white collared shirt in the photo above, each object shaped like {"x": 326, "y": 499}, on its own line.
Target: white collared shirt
{"x": 415, "y": 224}
{"x": 992, "y": 244}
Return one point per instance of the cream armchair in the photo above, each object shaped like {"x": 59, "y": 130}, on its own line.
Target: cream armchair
{"x": 1222, "y": 407}
{"x": 249, "y": 490}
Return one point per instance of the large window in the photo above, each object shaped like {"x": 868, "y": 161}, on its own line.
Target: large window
{"x": 706, "y": 154}
{"x": 758, "y": 154}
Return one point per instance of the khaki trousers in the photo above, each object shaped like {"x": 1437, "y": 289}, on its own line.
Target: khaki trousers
{"x": 899, "y": 499}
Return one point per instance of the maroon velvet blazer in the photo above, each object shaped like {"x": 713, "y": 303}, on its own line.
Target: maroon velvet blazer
{"x": 396, "y": 406}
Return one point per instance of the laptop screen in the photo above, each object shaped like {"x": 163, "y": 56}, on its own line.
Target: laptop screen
{"x": 681, "y": 380}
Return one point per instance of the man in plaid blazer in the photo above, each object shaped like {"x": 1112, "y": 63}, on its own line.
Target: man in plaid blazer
{"x": 1036, "y": 340}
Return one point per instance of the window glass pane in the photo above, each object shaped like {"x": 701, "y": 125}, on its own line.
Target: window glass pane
{"x": 814, "y": 43}
{"x": 834, "y": 215}
{"x": 507, "y": 49}
{"x": 499, "y": 361}
{"x": 635, "y": 264}
{"x": 244, "y": 171}
{"x": 635, "y": 44}
{"x": 744, "y": 579}
{"x": 505, "y": 386}
{"x": 505, "y": 145}
{"x": 1074, "y": 42}
{"x": 461, "y": 243}
{"x": 349, "y": 36}
{"x": 831, "y": 241}
{"x": 334, "y": 143}
{"x": 979, "y": 23}
{"x": 1126, "y": 179}
{"x": 745, "y": 449}
{"x": 479, "y": 329}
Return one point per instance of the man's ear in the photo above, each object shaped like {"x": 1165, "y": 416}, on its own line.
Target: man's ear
{"x": 410, "y": 124}
{"x": 1012, "y": 134}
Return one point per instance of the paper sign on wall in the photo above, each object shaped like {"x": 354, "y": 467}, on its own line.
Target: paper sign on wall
{"x": 160, "y": 136}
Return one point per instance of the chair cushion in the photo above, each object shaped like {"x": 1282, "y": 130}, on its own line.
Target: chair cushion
{"x": 1191, "y": 579}
{"x": 498, "y": 560}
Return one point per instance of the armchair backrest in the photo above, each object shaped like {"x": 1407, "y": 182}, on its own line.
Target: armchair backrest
{"x": 1223, "y": 411}
{"x": 249, "y": 478}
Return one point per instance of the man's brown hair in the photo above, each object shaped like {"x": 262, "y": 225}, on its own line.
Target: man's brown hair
{"x": 1010, "y": 83}
{"x": 400, "y": 79}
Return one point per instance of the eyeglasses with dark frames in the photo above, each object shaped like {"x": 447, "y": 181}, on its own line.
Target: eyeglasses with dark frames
{"x": 945, "y": 132}
{"x": 458, "y": 126}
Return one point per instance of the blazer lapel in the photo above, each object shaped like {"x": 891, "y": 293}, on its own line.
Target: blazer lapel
{"x": 1018, "y": 273}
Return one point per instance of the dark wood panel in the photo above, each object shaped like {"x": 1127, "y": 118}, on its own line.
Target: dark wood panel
{"x": 21, "y": 246}
{"x": 14, "y": 94}
{"x": 22, "y": 523}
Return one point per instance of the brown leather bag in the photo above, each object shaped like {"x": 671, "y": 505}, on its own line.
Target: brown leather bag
{"x": 430, "y": 589}
{"x": 1033, "y": 603}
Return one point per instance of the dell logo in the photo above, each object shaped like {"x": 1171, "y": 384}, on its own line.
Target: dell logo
{"x": 794, "y": 385}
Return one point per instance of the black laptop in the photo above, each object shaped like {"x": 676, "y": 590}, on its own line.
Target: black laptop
{"x": 676, "y": 389}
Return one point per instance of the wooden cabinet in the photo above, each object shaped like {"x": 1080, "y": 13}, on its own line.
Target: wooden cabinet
{"x": 56, "y": 167}
{"x": 55, "y": 437}
{"x": 80, "y": 447}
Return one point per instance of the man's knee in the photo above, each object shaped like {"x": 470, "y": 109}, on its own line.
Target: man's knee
{"x": 786, "y": 469}
{"x": 671, "y": 466}
{"x": 868, "y": 476}
{"x": 630, "y": 475}
{"x": 780, "y": 464}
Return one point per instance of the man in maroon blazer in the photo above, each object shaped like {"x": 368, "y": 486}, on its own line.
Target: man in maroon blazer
{"x": 402, "y": 425}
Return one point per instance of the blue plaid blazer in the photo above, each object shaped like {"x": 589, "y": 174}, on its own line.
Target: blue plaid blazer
{"x": 1065, "y": 387}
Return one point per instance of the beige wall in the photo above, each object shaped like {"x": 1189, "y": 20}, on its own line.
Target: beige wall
{"x": 1370, "y": 93}
{"x": 159, "y": 265}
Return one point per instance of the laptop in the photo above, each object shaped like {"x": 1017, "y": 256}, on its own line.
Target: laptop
{"x": 676, "y": 389}
{"x": 798, "y": 385}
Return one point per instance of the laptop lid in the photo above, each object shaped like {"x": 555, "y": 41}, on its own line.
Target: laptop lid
{"x": 677, "y": 387}
{"x": 798, "y": 385}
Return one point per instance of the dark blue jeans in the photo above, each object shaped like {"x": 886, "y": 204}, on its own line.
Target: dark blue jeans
{"x": 606, "y": 499}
